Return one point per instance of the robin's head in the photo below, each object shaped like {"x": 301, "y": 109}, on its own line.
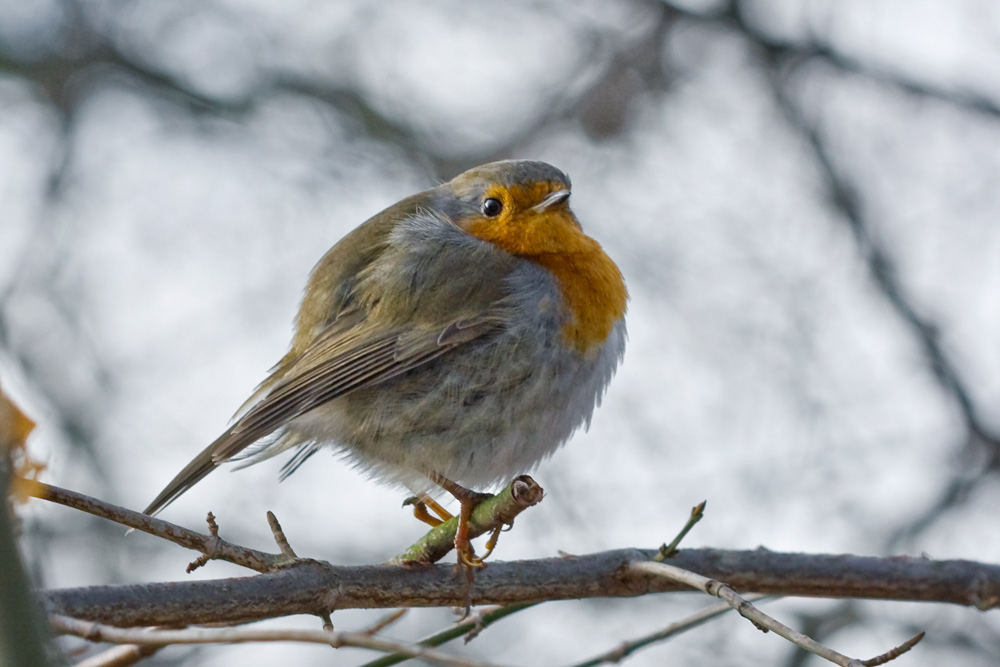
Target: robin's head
{"x": 521, "y": 206}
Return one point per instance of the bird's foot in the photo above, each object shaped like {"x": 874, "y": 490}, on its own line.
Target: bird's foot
{"x": 422, "y": 503}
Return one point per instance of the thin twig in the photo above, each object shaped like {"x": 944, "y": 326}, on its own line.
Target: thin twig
{"x": 627, "y": 648}
{"x": 214, "y": 548}
{"x": 119, "y": 656}
{"x": 142, "y": 636}
{"x": 668, "y": 550}
{"x": 470, "y": 625}
{"x": 385, "y": 622}
{"x": 892, "y": 654}
{"x": 757, "y": 617}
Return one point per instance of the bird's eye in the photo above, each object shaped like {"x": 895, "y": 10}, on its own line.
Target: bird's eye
{"x": 492, "y": 207}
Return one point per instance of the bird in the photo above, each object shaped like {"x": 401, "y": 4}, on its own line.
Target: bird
{"x": 452, "y": 341}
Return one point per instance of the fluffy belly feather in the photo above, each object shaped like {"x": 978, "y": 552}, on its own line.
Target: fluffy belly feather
{"x": 471, "y": 424}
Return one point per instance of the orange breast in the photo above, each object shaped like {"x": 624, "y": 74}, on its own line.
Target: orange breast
{"x": 594, "y": 291}
{"x": 590, "y": 282}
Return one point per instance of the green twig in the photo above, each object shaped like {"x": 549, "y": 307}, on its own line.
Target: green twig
{"x": 494, "y": 512}
{"x": 668, "y": 550}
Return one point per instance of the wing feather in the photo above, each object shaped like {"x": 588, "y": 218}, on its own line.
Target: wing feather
{"x": 337, "y": 362}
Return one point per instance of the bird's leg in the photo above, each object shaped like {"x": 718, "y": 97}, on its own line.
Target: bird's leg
{"x": 421, "y": 503}
{"x": 469, "y": 500}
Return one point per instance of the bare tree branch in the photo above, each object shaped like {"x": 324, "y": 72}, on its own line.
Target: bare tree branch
{"x": 312, "y": 587}
{"x": 813, "y": 48}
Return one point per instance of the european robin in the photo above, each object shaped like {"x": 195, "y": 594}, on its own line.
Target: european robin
{"x": 455, "y": 339}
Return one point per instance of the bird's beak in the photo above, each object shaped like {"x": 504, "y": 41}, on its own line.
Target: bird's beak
{"x": 557, "y": 197}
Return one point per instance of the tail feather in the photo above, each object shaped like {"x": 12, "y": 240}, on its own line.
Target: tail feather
{"x": 192, "y": 473}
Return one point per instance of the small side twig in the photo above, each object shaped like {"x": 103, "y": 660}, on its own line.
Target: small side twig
{"x": 213, "y": 532}
{"x": 764, "y": 622}
{"x": 148, "y": 637}
{"x": 668, "y": 550}
{"x": 894, "y": 653}
{"x": 289, "y": 557}
{"x": 279, "y": 536}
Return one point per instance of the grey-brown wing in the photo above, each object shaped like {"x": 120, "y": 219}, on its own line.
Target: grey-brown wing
{"x": 336, "y": 363}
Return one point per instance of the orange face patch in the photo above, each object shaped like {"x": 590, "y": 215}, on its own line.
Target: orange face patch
{"x": 590, "y": 282}
{"x": 519, "y": 228}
